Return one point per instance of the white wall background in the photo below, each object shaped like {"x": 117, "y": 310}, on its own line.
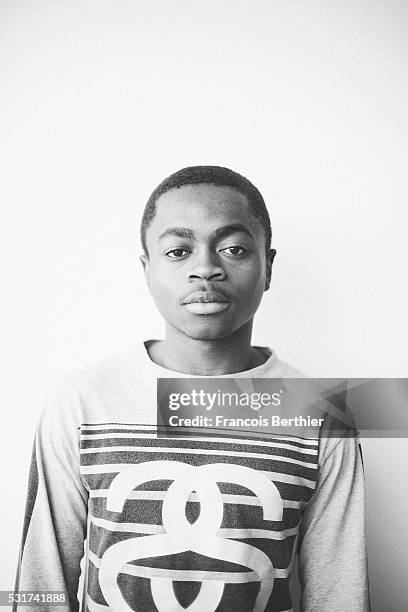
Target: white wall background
{"x": 102, "y": 99}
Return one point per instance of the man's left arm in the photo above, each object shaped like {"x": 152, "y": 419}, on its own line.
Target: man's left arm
{"x": 332, "y": 543}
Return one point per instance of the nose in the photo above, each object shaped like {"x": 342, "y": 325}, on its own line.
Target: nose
{"x": 206, "y": 264}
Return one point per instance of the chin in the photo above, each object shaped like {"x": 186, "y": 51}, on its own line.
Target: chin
{"x": 206, "y": 331}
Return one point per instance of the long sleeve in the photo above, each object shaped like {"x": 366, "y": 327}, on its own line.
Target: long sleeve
{"x": 332, "y": 549}
{"x": 56, "y": 511}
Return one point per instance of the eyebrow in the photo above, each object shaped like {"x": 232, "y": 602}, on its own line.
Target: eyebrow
{"x": 181, "y": 232}
{"x": 220, "y": 232}
{"x": 226, "y": 230}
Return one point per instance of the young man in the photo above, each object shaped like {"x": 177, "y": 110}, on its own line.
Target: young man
{"x": 208, "y": 522}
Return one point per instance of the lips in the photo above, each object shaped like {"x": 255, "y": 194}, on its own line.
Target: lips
{"x": 205, "y": 297}
{"x": 206, "y": 302}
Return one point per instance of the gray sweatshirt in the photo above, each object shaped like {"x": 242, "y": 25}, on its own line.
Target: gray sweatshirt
{"x": 202, "y": 523}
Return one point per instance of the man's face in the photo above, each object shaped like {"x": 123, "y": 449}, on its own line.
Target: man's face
{"x": 207, "y": 267}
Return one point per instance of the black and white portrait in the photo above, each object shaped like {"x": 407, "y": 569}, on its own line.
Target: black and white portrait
{"x": 200, "y": 190}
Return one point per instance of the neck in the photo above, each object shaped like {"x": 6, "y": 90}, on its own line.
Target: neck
{"x": 207, "y": 357}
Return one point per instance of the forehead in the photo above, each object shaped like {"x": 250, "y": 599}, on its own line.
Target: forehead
{"x": 203, "y": 208}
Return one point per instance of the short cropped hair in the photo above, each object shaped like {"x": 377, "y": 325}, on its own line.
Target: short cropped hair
{"x": 210, "y": 175}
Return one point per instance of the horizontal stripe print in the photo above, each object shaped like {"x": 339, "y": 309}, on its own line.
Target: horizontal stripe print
{"x": 223, "y": 533}
{"x": 149, "y": 512}
{"x": 290, "y": 489}
{"x": 115, "y": 468}
{"x": 112, "y": 427}
{"x": 190, "y": 575}
{"x": 246, "y": 500}
{"x": 291, "y": 463}
{"x": 197, "y": 451}
{"x": 230, "y": 450}
{"x": 94, "y": 607}
{"x": 265, "y": 446}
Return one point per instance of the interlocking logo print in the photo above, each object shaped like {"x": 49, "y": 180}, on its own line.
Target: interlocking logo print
{"x": 181, "y": 535}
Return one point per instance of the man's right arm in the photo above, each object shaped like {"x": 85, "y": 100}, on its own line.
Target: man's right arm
{"x": 56, "y": 511}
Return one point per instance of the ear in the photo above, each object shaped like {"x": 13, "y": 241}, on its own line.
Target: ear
{"x": 270, "y": 256}
{"x": 146, "y": 267}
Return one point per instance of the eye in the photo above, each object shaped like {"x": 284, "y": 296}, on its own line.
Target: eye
{"x": 177, "y": 253}
{"x": 234, "y": 251}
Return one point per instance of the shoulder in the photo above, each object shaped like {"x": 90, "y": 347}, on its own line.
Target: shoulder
{"x": 329, "y": 399}
{"x": 100, "y": 375}
{"x": 285, "y": 370}
{"x": 324, "y": 400}
{"x": 85, "y": 389}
